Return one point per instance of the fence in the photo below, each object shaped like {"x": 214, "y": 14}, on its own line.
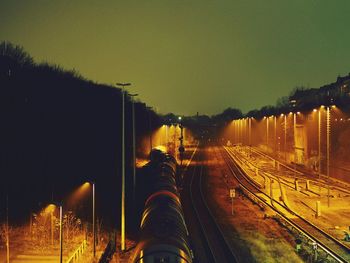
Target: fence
{"x": 77, "y": 253}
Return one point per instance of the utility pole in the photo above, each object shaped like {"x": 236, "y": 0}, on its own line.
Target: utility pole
{"x": 7, "y": 231}
{"x": 61, "y": 234}
{"x": 285, "y": 137}
{"x": 267, "y": 131}
{"x": 250, "y": 135}
{"x": 122, "y": 240}
{"x": 275, "y": 121}
{"x": 328, "y": 150}
{"x": 319, "y": 142}
{"x": 295, "y": 141}
{"x": 93, "y": 219}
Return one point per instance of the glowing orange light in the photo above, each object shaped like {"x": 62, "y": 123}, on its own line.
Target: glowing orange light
{"x": 314, "y": 110}
{"x": 49, "y": 209}
{"x": 78, "y": 194}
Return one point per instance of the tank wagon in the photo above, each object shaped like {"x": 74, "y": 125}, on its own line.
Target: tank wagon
{"x": 163, "y": 232}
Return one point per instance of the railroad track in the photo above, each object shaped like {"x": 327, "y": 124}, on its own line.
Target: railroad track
{"x": 284, "y": 177}
{"x": 287, "y": 175}
{"x": 215, "y": 246}
{"x": 331, "y": 246}
{"x": 322, "y": 180}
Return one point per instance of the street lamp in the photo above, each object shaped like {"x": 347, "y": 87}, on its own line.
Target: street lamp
{"x": 50, "y": 209}
{"x": 275, "y": 135}
{"x": 61, "y": 233}
{"x": 267, "y": 132}
{"x": 7, "y": 231}
{"x": 77, "y": 195}
{"x": 328, "y": 126}
{"x": 122, "y": 241}
{"x": 250, "y": 134}
{"x": 319, "y": 140}
{"x": 285, "y": 137}
{"x": 93, "y": 218}
{"x": 295, "y": 141}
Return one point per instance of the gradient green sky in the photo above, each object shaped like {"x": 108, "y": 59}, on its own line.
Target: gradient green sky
{"x": 186, "y": 56}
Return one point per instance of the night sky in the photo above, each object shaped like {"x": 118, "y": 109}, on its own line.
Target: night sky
{"x": 186, "y": 56}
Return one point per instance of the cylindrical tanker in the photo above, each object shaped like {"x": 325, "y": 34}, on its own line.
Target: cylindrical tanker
{"x": 163, "y": 232}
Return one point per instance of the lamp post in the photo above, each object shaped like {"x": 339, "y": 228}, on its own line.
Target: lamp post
{"x": 295, "y": 141}
{"x": 328, "y": 150}
{"x": 319, "y": 143}
{"x": 93, "y": 218}
{"x": 245, "y": 131}
{"x": 61, "y": 233}
{"x": 267, "y": 131}
{"x": 250, "y": 135}
{"x": 275, "y": 135}
{"x": 285, "y": 137}
{"x": 7, "y": 231}
{"x": 122, "y": 240}
{"x": 319, "y": 140}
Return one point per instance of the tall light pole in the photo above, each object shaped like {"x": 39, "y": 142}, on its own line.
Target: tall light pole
{"x": 7, "y": 231}
{"x": 328, "y": 150}
{"x": 275, "y": 135}
{"x": 245, "y": 132}
{"x": 267, "y": 131}
{"x": 236, "y": 131}
{"x": 93, "y": 218}
{"x": 319, "y": 140}
{"x": 122, "y": 240}
{"x": 61, "y": 234}
{"x": 133, "y": 145}
{"x": 295, "y": 140}
{"x": 285, "y": 137}
{"x": 250, "y": 134}
{"x": 250, "y": 131}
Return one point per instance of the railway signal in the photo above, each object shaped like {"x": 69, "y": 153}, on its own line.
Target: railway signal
{"x": 232, "y": 195}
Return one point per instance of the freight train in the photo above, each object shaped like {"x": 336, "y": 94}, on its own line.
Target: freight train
{"x": 163, "y": 232}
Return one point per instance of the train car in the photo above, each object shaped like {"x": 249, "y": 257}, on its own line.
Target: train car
{"x": 163, "y": 232}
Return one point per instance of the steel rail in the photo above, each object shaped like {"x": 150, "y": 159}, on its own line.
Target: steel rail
{"x": 229, "y": 253}
{"x": 321, "y": 244}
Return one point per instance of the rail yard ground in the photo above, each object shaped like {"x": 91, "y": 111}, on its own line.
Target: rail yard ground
{"x": 253, "y": 236}
{"x": 248, "y": 226}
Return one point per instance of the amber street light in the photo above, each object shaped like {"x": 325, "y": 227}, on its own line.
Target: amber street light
{"x": 122, "y": 240}
{"x": 50, "y": 209}
{"x": 93, "y": 215}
